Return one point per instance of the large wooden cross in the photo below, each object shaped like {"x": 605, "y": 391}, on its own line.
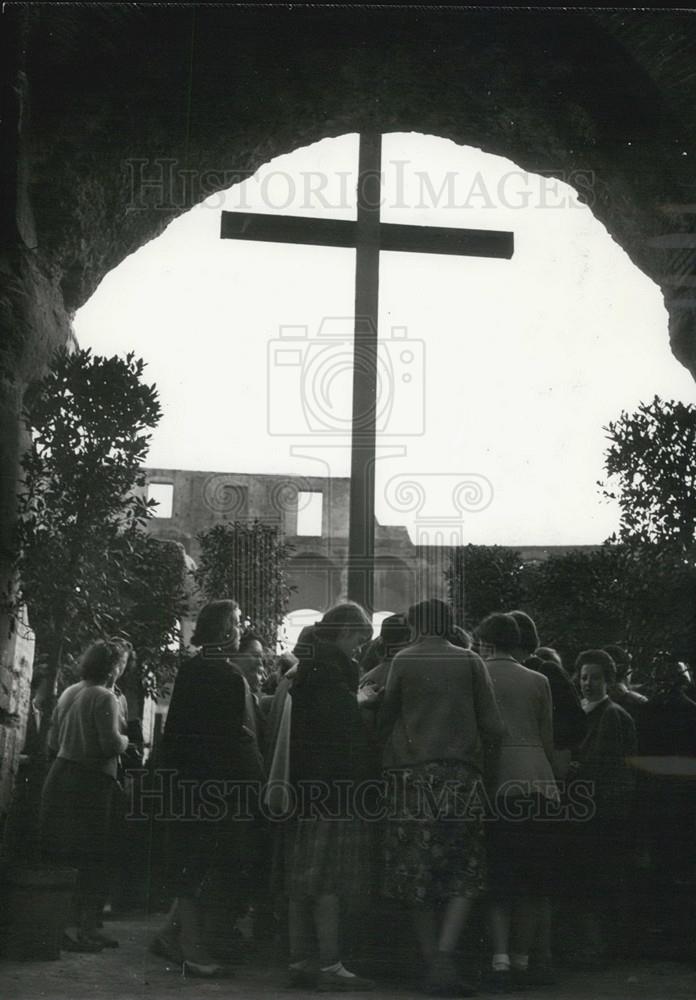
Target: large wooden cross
{"x": 368, "y": 235}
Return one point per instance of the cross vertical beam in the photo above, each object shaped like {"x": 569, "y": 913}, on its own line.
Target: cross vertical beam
{"x": 368, "y": 235}
{"x": 361, "y": 545}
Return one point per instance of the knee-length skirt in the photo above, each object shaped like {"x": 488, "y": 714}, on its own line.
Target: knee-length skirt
{"x": 434, "y": 846}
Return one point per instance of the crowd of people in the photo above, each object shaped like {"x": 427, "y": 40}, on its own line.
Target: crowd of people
{"x": 463, "y": 777}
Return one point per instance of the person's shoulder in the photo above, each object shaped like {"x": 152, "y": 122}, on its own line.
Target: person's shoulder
{"x": 404, "y": 657}
{"x": 469, "y": 659}
{"x": 102, "y": 694}
{"x": 70, "y": 693}
{"x": 617, "y": 713}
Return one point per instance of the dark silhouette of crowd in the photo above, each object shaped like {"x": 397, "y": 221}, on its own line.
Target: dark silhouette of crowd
{"x": 468, "y": 782}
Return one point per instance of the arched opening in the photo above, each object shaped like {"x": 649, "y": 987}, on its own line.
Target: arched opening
{"x": 513, "y": 368}
{"x": 294, "y": 622}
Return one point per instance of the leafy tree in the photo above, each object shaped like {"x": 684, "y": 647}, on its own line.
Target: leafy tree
{"x": 576, "y": 599}
{"x": 247, "y": 562}
{"x": 78, "y": 513}
{"x": 651, "y": 465}
{"x": 152, "y": 601}
{"x": 651, "y": 462}
{"x": 482, "y": 579}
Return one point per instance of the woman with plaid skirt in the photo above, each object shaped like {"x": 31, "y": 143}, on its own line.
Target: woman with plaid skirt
{"x": 328, "y": 854}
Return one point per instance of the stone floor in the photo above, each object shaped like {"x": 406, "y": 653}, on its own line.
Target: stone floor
{"x": 130, "y": 972}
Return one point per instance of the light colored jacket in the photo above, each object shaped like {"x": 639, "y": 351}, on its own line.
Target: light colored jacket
{"x": 86, "y": 727}
{"x": 526, "y": 752}
{"x": 438, "y": 705}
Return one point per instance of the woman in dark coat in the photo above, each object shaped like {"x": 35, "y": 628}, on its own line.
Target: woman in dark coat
{"x": 213, "y": 755}
{"x": 328, "y": 850}
{"x": 601, "y": 763}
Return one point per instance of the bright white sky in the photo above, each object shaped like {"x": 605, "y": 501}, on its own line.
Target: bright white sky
{"x": 514, "y": 366}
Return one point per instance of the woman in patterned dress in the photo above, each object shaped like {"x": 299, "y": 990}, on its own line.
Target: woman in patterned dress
{"x": 439, "y": 711}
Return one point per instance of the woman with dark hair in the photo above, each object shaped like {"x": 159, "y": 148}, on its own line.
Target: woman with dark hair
{"x": 525, "y": 789}
{"x": 328, "y": 851}
{"x": 394, "y": 634}
{"x": 77, "y": 796}
{"x": 208, "y": 746}
{"x": 600, "y": 763}
{"x": 438, "y": 712}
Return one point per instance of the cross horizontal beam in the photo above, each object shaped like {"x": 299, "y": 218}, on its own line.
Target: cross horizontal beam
{"x": 296, "y": 229}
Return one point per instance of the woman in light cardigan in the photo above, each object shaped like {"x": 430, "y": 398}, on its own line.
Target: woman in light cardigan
{"x": 77, "y": 796}
{"x": 525, "y": 787}
{"x": 439, "y": 712}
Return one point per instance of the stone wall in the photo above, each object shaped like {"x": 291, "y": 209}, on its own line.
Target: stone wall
{"x": 15, "y": 694}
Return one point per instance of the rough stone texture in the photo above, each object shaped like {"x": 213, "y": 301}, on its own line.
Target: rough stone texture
{"x": 100, "y": 101}
{"x": 602, "y": 100}
{"x": 15, "y": 692}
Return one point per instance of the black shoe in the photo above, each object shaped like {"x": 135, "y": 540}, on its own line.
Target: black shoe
{"x": 81, "y": 943}
{"x": 519, "y": 980}
{"x": 305, "y": 978}
{"x": 542, "y": 974}
{"x": 443, "y": 979}
{"x": 498, "y": 981}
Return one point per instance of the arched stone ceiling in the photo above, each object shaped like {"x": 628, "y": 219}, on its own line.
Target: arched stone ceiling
{"x": 604, "y": 101}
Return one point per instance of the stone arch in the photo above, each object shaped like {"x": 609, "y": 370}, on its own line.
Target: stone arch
{"x": 571, "y": 108}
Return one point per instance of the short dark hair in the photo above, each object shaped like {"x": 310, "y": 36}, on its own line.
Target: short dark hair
{"x": 394, "y": 634}
{"x": 499, "y": 630}
{"x": 621, "y": 658}
{"x": 600, "y": 658}
{"x": 212, "y": 621}
{"x": 99, "y": 659}
{"x": 549, "y": 655}
{"x": 247, "y": 639}
{"x": 529, "y": 637}
{"x": 431, "y": 617}
{"x": 347, "y": 615}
